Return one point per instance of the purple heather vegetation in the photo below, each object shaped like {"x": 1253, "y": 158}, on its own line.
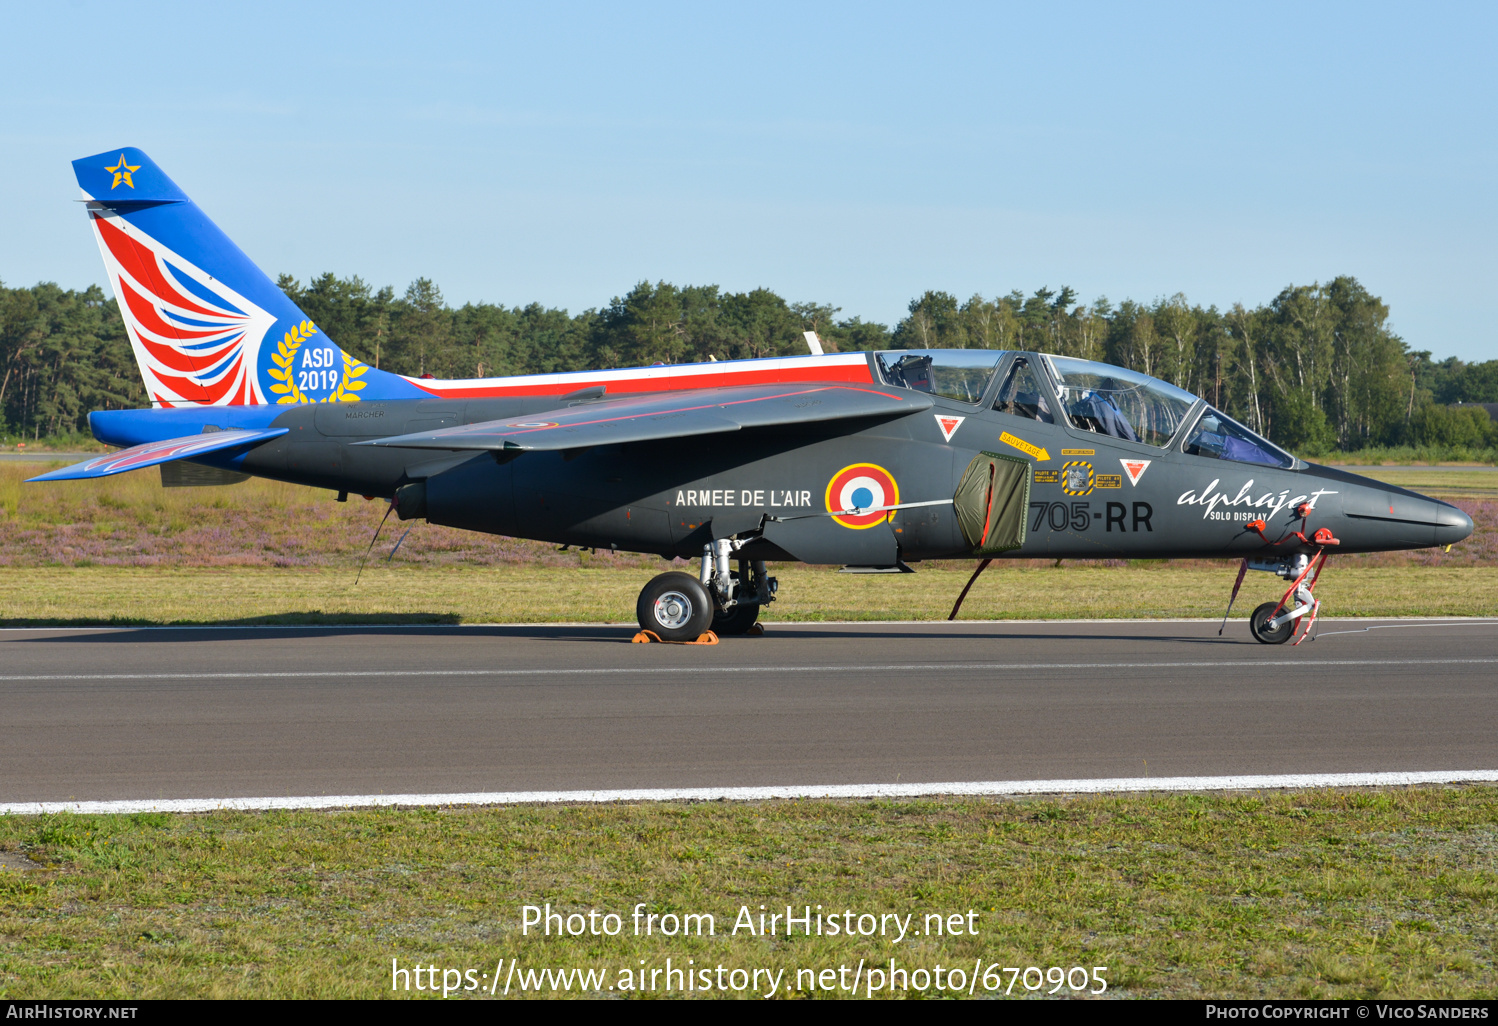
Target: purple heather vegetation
{"x": 137, "y": 523}
{"x": 1481, "y": 549}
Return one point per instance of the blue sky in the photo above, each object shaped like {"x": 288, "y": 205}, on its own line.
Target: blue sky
{"x": 856, "y": 154}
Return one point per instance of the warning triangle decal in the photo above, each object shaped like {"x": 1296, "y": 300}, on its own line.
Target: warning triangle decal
{"x": 1135, "y": 469}
{"x": 948, "y": 425}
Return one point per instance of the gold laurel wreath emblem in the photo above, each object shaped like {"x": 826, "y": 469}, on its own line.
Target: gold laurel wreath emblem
{"x": 285, "y": 358}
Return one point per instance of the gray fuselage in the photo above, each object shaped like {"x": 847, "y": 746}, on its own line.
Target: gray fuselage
{"x": 1092, "y": 496}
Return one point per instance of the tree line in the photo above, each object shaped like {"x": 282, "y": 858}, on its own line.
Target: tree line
{"x": 1316, "y": 368}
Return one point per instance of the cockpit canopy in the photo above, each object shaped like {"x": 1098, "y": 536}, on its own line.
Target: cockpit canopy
{"x": 1221, "y": 437}
{"x": 1096, "y": 397}
{"x": 960, "y": 374}
{"x": 1122, "y": 403}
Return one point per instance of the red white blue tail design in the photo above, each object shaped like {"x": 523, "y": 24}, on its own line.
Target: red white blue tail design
{"x": 192, "y": 347}
{"x": 208, "y": 327}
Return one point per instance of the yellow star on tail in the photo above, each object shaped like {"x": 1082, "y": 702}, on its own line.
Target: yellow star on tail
{"x": 122, "y": 172}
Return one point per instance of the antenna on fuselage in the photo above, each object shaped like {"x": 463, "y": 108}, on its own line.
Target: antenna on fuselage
{"x": 813, "y": 342}
{"x": 388, "y": 510}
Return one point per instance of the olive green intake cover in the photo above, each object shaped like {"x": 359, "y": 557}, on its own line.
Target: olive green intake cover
{"x": 991, "y": 501}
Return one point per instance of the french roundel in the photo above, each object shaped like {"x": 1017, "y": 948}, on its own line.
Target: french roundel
{"x": 862, "y": 486}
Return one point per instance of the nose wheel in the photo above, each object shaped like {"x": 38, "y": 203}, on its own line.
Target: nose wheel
{"x": 1261, "y": 625}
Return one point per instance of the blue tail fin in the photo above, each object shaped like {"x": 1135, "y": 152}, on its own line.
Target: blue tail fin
{"x": 207, "y": 326}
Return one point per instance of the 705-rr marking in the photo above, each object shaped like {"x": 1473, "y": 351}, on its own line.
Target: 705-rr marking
{"x": 1079, "y": 516}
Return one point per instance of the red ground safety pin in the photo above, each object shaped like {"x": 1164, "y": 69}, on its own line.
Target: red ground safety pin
{"x": 1299, "y": 603}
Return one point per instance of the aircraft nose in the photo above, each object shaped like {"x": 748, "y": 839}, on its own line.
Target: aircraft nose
{"x": 1452, "y": 525}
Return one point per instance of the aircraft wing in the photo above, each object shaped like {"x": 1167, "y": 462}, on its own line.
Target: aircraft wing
{"x": 152, "y": 453}
{"x": 701, "y": 411}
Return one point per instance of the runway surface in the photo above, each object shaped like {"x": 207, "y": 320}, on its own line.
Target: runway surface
{"x": 46, "y": 457}
{"x": 208, "y": 713}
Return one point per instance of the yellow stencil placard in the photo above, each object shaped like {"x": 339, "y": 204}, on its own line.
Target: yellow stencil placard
{"x": 1025, "y": 447}
{"x": 1079, "y": 452}
{"x": 1076, "y": 478}
{"x": 1109, "y": 480}
{"x": 1047, "y": 476}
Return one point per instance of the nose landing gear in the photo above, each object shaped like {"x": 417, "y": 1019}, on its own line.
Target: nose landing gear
{"x": 1274, "y": 623}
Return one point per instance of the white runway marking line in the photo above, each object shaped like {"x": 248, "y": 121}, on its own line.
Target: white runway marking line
{"x": 1114, "y": 785}
{"x": 1454, "y": 621}
{"x": 656, "y": 671}
{"x": 1395, "y": 626}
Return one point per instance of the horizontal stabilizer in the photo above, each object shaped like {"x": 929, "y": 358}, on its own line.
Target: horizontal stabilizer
{"x": 152, "y": 453}
{"x": 682, "y": 414}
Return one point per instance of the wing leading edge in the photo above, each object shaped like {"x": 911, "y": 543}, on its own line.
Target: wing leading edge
{"x": 673, "y": 415}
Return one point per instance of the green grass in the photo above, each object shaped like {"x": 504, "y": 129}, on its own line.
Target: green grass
{"x": 75, "y": 441}
{"x": 1287, "y": 895}
{"x": 1407, "y": 454}
{"x": 1445, "y": 484}
{"x": 1330, "y": 894}
{"x": 131, "y": 520}
{"x": 122, "y": 595}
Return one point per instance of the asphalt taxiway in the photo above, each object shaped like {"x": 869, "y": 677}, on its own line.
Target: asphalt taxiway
{"x": 202, "y": 713}
{"x": 46, "y": 457}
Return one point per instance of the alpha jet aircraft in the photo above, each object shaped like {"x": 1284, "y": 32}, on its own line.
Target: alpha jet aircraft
{"x": 870, "y": 460}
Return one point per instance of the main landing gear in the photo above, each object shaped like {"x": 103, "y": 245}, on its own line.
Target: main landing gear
{"x": 677, "y": 606}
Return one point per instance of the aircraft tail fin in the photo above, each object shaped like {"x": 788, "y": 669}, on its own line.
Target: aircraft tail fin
{"x": 207, "y": 326}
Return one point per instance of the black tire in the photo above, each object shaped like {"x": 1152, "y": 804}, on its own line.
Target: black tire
{"x": 675, "y": 606}
{"x": 1258, "y": 626}
{"x": 737, "y": 620}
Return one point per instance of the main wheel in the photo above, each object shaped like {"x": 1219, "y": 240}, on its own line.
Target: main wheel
{"x": 1258, "y": 626}
{"x": 675, "y": 606}
{"x": 737, "y": 620}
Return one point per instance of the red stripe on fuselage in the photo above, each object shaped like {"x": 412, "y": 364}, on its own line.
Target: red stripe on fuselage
{"x": 691, "y": 409}
{"x": 619, "y": 385}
